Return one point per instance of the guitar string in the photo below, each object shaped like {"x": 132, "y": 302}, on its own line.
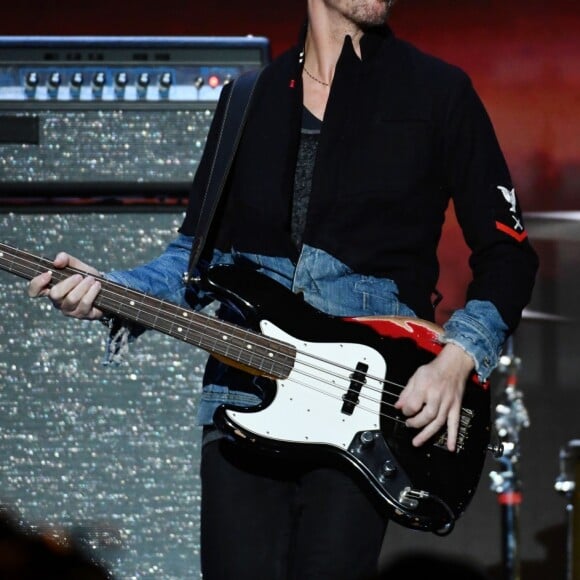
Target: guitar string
{"x": 108, "y": 293}
{"x": 223, "y": 323}
{"x": 359, "y": 406}
{"x": 382, "y": 404}
{"x": 60, "y": 272}
{"x": 288, "y": 368}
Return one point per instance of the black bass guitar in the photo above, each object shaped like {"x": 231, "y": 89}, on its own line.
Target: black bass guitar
{"x": 331, "y": 386}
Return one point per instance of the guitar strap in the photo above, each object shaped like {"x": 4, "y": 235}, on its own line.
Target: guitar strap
{"x": 236, "y": 111}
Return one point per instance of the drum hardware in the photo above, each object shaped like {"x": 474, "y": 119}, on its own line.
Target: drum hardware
{"x": 538, "y": 316}
{"x": 567, "y": 485}
{"x": 553, "y": 225}
{"x": 510, "y": 417}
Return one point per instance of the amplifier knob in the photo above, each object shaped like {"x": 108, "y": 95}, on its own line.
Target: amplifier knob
{"x": 143, "y": 81}
{"x": 98, "y": 83}
{"x": 165, "y": 82}
{"x": 31, "y": 82}
{"x": 76, "y": 82}
{"x": 121, "y": 81}
{"x": 54, "y": 81}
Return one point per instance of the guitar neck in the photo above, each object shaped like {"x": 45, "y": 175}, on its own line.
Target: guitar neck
{"x": 236, "y": 345}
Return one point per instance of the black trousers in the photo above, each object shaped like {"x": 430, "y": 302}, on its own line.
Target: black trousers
{"x": 275, "y": 518}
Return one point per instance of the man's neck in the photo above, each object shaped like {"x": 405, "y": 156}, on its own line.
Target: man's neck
{"x": 325, "y": 38}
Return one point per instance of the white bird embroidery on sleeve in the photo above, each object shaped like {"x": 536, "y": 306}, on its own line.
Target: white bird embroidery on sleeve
{"x": 510, "y": 196}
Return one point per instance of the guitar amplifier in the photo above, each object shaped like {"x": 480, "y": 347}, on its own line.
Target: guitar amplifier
{"x": 86, "y": 116}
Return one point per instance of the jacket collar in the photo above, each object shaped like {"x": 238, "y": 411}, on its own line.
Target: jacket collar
{"x": 371, "y": 41}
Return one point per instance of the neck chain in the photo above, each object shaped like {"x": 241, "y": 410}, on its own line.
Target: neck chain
{"x": 314, "y": 78}
{"x": 301, "y": 58}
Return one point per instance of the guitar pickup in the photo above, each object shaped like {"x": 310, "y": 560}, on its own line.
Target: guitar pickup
{"x": 357, "y": 380}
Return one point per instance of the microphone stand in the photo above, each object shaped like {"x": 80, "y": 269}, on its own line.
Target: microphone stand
{"x": 510, "y": 417}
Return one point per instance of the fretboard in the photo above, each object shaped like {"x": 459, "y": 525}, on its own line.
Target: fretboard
{"x": 237, "y": 345}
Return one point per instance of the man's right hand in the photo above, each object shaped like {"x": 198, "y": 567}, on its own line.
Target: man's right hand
{"x": 75, "y": 295}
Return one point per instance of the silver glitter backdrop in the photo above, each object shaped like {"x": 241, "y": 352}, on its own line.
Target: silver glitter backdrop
{"x": 109, "y": 455}
{"x": 109, "y": 146}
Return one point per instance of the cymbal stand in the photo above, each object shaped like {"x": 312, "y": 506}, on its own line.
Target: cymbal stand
{"x": 510, "y": 416}
{"x": 567, "y": 484}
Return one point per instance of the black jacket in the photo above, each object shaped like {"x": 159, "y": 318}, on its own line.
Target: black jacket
{"x": 403, "y": 132}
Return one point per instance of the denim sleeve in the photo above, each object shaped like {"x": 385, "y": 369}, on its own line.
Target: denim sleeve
{"x": 163, "y": 278}
{"x": 480, "y": 331}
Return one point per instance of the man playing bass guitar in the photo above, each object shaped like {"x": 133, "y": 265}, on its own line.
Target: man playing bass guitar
{"x": 355, "y": 144}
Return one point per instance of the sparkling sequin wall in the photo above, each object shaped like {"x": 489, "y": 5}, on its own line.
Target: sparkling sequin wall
{"x": 107, "y": 454}
{"x": 111, "y": 146}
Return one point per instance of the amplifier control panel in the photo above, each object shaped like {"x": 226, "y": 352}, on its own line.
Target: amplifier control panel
{"x": 123, "y": 69}
{"x": 111, "y": 117}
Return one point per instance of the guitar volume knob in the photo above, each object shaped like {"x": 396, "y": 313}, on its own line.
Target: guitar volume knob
{"x": 388, "y": 469}
{"x": 367, "y": 438}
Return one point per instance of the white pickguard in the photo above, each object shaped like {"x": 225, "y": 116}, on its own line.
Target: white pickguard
{"x": 307, "y": 405}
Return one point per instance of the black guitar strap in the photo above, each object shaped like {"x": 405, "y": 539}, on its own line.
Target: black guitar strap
{"x": 235, "y": 115}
